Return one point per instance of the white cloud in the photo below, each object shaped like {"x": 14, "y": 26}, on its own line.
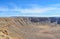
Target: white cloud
{"x": 34, "y": 9}
{"x": 55, "y": 15}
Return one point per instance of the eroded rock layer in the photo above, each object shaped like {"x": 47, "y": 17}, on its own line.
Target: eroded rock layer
{"x": 28, "y": 28}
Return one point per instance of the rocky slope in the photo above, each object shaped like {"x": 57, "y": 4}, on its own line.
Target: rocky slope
{"x": 28, "y": 28}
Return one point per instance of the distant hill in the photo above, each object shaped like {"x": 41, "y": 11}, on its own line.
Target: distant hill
{"x": 43, "y": 19}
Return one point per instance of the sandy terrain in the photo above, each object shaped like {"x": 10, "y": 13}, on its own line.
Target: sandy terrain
{"x": 19, "y": 28}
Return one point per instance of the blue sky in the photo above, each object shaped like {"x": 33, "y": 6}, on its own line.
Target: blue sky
{"x": 37, "y": 8}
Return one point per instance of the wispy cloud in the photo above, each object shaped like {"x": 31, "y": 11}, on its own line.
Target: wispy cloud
{"x": 37, "y": 10}
{"x": 55, "y": 15}
{"x": 34, "y": 9}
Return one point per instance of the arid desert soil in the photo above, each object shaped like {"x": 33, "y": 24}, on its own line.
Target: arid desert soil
{"x": 23, "y": 28}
